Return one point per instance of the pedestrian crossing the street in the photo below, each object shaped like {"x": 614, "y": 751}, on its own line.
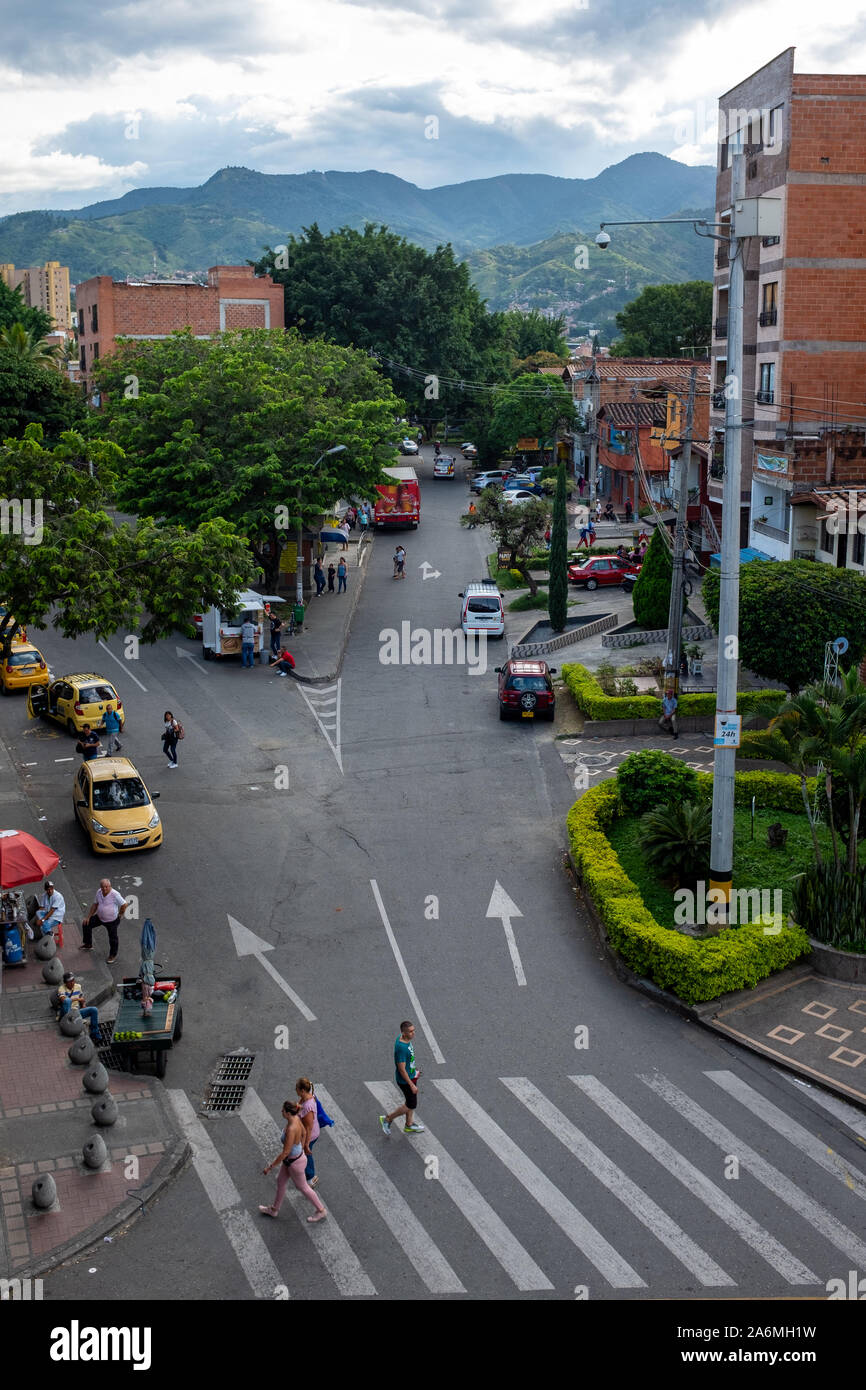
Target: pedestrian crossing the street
{"x": 670, "y": 1190}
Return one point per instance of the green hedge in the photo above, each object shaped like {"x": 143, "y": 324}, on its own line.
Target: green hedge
{"x": 594, "y": 704}
{"x": 696, "y": 969}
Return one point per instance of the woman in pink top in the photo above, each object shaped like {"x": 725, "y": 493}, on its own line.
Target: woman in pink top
{"x": 309, "y": 1117}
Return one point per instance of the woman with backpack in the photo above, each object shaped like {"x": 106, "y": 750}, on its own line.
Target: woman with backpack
{"x": 308, "y": 1115}
{"x": 172, "y": 731}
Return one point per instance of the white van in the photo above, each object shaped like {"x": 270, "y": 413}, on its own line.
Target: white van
{"x": 482, "y": 609}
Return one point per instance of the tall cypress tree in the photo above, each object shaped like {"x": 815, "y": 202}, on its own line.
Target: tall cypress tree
{"x": 557, "y": 601}
{"x": 652, "y": 592}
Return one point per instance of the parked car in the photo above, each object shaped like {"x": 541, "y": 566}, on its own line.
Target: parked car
{"x": 114, "y": 808}
{"x": 604, "y": 570}
{"x": 482, "y": 609}
{"x": 526, "y": 690}
{"x": 468, "y": 450}
{"x": 521, "y": 480}
{"x": 492, "y": 477}
{"x": 24, "y": 666}
{"x": 408, "y": 446}
{"x": 520, "y": 494}
{"x": 75, "y": 701}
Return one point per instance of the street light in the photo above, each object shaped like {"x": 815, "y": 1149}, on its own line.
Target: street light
{"x": 299, "y": 563}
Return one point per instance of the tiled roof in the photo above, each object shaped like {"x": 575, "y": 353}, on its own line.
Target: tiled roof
{"x": 627, "y": 414}
{"x": 646, "y": 368}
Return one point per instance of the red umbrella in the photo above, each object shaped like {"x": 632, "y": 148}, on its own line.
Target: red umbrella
{"x": 24, "y": 859}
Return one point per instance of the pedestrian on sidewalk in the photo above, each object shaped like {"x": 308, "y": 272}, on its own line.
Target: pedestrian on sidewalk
{"x": 406, "y": 1075}
{"x": 170, "y": 736}
{"x": 668, "y": 720}
{"x": 112, "y": 728}
{"x": 285, "y": 661}
{"x": 276, "y": 629}
{"x": 107, "y": 909}
{"x": 598, "y": 510}
{"x": 292, "y": 1161}
{"x": 581, "y": 484}
{"x": 399, "y": 563}
{"x": 331, "y": 572}
{"x": 309, "y": 1117}
{"x": 69, "y": 996}
{"x": 248, "y": 642}
{"x": 473, "y": 516}
{"x": 319, "y": 576}
{"x": 88, "y": 745}
{"x": 52, "y": 909}
{"x": 342, "y": 575}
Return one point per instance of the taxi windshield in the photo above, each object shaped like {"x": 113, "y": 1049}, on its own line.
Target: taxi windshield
{"x": 22, "y": 659}
{"x": 120, "y": 794}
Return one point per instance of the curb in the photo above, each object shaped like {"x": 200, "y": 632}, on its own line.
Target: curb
{"x": 168, "y": 1167}
{"x": 356, "y": 596}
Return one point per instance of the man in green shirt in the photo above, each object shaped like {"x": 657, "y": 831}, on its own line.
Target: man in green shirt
{"x": 406, "y": 1075}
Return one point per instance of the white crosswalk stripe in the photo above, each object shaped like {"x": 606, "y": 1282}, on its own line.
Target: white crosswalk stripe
{"x": 783, "y": 1124}
{"x": 514, "y": 1259}
{"x": 834, "y": 1105}
{"x": 616, "y": 1181}
{"x": 336, "y": 1253}
{"x": 580, "y": 1231}
{"x": 772, "y": 1178}
{"x": 755, "y": 1235}
{"x": 428, "y": 1261}
{"x": 324, "y": 705}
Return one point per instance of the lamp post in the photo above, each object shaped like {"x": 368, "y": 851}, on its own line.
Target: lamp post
{"x": 299, "y": 589}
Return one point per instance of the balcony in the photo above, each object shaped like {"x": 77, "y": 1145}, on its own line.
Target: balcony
{"x": 721, "y": 328}
{"x": 764, "y": 397}
{"x": 773, "y": 533}
{"x": 768, "y": 318}
{"x": 718, "y": 398}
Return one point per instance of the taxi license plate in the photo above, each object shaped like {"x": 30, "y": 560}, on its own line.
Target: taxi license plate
{"x": 528, "y": 713}
{"x": 130, "y": 839}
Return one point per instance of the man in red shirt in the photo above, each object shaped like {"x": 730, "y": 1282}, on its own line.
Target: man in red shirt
{"x": 285, "y": 661}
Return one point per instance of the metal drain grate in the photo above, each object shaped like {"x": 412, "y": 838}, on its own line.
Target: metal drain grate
{"x": 226, "y": 1092}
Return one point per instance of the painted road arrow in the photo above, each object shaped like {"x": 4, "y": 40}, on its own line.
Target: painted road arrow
{"x": 429, "y": 572}
{"x": 188, "y": 656}
{"x": 248, "y": 944}
{"x": 500, "y": 905}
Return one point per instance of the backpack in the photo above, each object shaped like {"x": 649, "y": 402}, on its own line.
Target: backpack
{"x": 180, "y": 730}
{"x": 322, "y": 1115}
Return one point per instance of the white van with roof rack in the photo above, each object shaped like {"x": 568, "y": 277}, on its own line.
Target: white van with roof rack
{"x": 482, "y": 609}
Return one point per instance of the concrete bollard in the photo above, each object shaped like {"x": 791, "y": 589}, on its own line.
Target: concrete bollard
{"x": 44, "y": 1192}
{"x": 72, "y": 1024}
{"x": 104, "y": 1110}
{"x": 95, "y": 1079}
{"x": 54, "y": 999}
{"x": 83, "y": 1050}
{"x": 52, "y": 971}
{"x": 45, "y": 948}
{"x": 95, "y": 1152}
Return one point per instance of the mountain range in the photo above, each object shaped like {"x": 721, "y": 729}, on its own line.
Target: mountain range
{"x": 228, "y": 219}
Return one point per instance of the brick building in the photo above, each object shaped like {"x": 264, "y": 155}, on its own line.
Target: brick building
{"x": 232, "y": 298}
{"x": 804, "y": 338}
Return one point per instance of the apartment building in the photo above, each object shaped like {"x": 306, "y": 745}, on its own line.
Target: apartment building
{"x": 804, "y": 341}
{"x": 234, "y": 297}
{"x": 43, "y": 287}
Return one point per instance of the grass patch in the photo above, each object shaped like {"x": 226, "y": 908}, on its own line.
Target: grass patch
{"x": 527, "y": 602}
{"x": 756, "y": 866}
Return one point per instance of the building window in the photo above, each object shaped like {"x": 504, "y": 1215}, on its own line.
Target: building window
{"x": 825, "y": 540}
{"x": 770, "y": 240}
{"x": 773, "y": 125}
{"x": 859, "y": 548}
{"x": 766, "y": 394}
{"x": 96, "y": 352}
{"x": 769, "y": 304}
{"x": 94, "y": 319}
{"x": 82, "y": 360}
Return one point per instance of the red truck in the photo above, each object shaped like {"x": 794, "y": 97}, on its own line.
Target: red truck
{"x": 398, "y": 503}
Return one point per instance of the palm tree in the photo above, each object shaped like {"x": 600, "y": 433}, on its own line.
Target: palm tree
{"x": 22, "y": 342}
{"x": 675, "y": 839}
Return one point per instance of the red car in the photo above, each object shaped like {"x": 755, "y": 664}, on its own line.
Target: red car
{"x": 604, "y": 569}
{"x": 526, "y": 690}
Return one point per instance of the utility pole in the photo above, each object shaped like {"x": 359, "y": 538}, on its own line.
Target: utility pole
{"x": 724, "y": 761}
{"x": 675, "y": 613}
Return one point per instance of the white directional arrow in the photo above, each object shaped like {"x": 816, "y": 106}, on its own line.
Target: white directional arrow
{"x": 429, "y": 572}
{"x": 500, "y": 905}
{"x": 248, "y": 944}
{"x": 188, "y": 656}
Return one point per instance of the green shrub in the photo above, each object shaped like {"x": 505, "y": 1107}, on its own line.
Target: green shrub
{"x": 646, "y": 779}
{"x": 675, "y": 839}
{"x": 695, "y": 969}
{"x": 593, "y": 703}
{"x": 830, "y": 904}
{"x": 527, "y": 602}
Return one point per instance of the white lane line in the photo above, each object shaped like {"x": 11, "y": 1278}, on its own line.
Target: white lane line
{"x": 834, "y": 1104}
{"x": 401, "y": 966}
{"x": 61, "y": 760}
{"x": 244, "y": 1236}
{"x": 749, "y": 1230}
{"x": 648, "y": 1212}
{"x": 800, "y": 1137}
{"x": 287, "y": 989}
{"x": 123, "y": 664}
{"x": 334, "y": 1250}
{"x": 772, "y": 1178}
{"x": 484, "y": 1221}
{"x": 427, "y": 1259}
{"x": 36, "y": 764}
{"x": 581, "y": 1232}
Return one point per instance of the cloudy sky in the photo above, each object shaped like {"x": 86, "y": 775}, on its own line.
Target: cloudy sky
{"x": 115, "y": 94}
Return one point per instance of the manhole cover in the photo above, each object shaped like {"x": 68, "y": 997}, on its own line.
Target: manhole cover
{"x": 226, "y": 1091}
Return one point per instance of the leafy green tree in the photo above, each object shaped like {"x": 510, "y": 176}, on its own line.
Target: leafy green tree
{"x": 86, "y": 575}
{"x": 18, "y": 341}
{"x": 31, "y": 394}
{"x": 530, "y": 332}
{"x": 236, "y": 432}
{"x": 789, "y": 610}
{"x": 533, "y": 406}
{"x": 664, "y": 318}
{"x": 652, "y": 592}
{"x": 557, "y": 598}
{"x": 13, "y": 310}
{"x": 519, "y": 529}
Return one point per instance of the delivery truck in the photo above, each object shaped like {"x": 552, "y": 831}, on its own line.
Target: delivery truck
{"x": 398, "y": 503}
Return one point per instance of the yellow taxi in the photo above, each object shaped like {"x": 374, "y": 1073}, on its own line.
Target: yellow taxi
{"x": 23, "y": 666}
{"x": 76, "y": 701}
{"x": 114, "y": 808}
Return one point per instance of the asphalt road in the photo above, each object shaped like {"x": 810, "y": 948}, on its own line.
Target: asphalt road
{"x": 647, "y": 1164}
